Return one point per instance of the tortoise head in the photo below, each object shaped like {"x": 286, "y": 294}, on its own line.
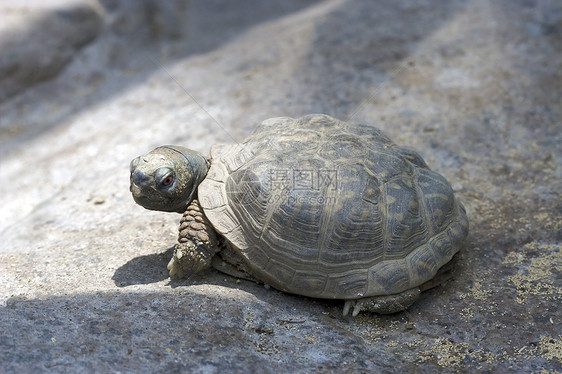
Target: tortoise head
{"x": 166, "y": 179}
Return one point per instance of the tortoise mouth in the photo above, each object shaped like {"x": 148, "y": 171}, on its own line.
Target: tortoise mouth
{"x": 161, "y": 205}
{"x": 144, "y": 201}
{"x": 153, "y": 201}
{"x": 157, "y": 202}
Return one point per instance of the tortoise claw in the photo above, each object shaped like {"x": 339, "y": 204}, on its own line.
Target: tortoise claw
{"x": 176, "y": 269}
{"x": 347, "y": 305}
{"x": 173, "y": 267}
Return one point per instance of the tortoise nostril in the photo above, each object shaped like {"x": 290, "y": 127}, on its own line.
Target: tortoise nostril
{"x": 139, "y": 178}
{"x": 133, "y": 165}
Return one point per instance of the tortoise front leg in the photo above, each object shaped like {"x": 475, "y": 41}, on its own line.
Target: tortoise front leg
{"x": 197, "y": 243}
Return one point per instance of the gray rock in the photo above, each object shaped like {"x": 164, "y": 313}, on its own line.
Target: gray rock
{"x": 473, "y": 86}
{"x": 38, "y": 39}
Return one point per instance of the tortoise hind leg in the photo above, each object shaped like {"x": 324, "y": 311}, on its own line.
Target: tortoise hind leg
{"x": 229, "y": 262}
{"x": 384, "y": 304}
{"x": 444, "y": 273}
{"x": 388, "y": 304}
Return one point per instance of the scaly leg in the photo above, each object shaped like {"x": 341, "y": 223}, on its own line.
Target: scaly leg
{"x": 386, "y": 304}
{"x": 197, "y": 243}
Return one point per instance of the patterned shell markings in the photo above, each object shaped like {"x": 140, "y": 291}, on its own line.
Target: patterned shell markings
{"x": 326, "y": 209}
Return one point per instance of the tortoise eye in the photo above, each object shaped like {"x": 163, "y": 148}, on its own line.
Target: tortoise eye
{"x": 169, "y": 179}
{"x": 164, "y": 177}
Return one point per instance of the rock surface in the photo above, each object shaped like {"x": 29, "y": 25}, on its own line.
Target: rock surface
{"x": 473, "y": 86}
{"x": 39, "y": 38}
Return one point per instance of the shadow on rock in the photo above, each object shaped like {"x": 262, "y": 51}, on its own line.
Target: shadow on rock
{"x": 152, "y": 269}
{"x": 144, "y": 269}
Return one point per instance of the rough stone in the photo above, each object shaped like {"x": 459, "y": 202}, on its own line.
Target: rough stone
{"x": 473, "y": 86}
{"x": 39, "y": 38}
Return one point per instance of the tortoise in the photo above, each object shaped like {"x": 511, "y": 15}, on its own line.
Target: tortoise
{"x": 312, "y": 206}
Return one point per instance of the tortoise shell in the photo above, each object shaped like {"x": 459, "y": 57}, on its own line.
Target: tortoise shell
{"x": 324, "y": 208}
